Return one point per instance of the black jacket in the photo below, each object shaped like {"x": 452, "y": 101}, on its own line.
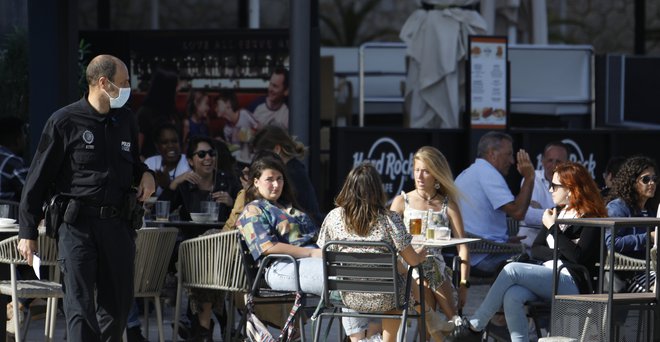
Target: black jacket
{"x": 585, "y": 252}
{"x": 83, "y": 153}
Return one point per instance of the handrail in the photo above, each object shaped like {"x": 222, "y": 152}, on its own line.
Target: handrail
{"x": 361, "y": 97}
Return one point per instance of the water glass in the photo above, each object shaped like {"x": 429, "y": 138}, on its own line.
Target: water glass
{"x": 162, "y": 210}
{"x": 212, "y": 208}
{"x": 442, "y": 233}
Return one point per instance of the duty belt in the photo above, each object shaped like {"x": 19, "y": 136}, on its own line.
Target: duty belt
{"x": 104, "y": 212}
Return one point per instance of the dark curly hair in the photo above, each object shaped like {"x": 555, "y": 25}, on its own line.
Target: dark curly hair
{"x": 623, "y": 184}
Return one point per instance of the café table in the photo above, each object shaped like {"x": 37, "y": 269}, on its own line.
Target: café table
{"x": 188, "y": 229}
{"x": 441, "y": 243}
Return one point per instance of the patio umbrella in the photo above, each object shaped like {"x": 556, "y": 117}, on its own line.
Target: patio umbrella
{"x": 437, "y": 43}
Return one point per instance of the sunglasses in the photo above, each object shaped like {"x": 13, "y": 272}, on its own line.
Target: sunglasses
{"x": 648, "y": 179}
{"x": 202, "y": 154}
{"x": 554, "y": 186}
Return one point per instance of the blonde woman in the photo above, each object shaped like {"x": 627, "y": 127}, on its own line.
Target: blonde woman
{"x": 435, "y": 198}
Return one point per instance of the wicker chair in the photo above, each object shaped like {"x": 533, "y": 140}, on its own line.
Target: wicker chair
{"x": 153, "y": 250}
{"x": 52, "y": 290}
{"x": 212, "y": 262}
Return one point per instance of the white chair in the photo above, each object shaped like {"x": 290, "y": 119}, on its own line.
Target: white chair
{"x": 52, "y": 290}
{"x": 210, "y": 262}
{"x": 153, "y": 250}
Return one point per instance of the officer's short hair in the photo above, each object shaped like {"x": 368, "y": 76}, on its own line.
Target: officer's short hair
{"x": 103, "y": 65}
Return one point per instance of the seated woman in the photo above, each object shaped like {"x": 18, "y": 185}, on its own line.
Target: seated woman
{"x": 361, "y": 215}
{"x": 434, "y": 200}
{"x": 632, "y": 187}
{"x": 203, "y": 183}
{"x": 576, "y": 195}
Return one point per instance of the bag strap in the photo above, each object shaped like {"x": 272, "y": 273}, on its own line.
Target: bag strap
{"x": 289, "y": 327}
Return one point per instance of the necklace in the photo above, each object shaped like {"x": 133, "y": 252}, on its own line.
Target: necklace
{"x": 428, "y": 200}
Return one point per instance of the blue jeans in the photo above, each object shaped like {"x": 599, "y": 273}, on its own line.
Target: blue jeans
{"x": 491, "y": 262}
{"x": 280, "y": 276}
{"x": 515, "y": 285}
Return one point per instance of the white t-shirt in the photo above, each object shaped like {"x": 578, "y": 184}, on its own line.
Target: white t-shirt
{"x": 155, "y": 163}
{"x": 540, "y": 194}
{"x": 266, "y": 116}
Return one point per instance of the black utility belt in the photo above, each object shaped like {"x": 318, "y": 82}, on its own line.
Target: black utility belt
{"x": 102, "y": 212}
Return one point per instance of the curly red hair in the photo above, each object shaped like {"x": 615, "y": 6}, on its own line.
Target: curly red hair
{"x": 585, "y": 197}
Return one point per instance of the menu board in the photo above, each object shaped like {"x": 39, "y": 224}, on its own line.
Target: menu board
{"x": 488, "y": 96}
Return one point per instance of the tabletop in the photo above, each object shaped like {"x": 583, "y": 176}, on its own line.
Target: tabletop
{"x": 442, "y": 243}
{"x": 184, "y": 224}
{"x": 612, "y": 221}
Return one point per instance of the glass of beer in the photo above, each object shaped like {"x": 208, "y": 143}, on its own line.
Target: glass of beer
{"x": 416, "y": 226}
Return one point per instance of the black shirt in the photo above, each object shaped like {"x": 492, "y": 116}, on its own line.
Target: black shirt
{"x": 83, "y": 153}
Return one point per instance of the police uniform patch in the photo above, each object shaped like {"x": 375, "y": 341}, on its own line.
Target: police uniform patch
{"x": 88, "y": 136}
{"x": 126, "y": 146}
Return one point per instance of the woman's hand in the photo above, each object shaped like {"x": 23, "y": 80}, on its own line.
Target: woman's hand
{"x": 421, "y": 251}
{"x": 223, "y": 197}
{"x": 189, "y": 176}
{"x": 549, "y": 217}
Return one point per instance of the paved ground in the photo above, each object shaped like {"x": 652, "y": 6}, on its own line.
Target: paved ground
{"x": 477, "y": 292}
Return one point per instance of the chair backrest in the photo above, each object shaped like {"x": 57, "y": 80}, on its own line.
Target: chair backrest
{"x": 153, "y": 250}
{"x": 47, "y": 248}
{"x": 360, "y": 271}
{"x": 213, "y": 261}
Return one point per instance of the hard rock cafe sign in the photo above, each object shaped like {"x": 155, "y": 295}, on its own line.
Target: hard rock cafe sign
{"x": 394, "y": 166}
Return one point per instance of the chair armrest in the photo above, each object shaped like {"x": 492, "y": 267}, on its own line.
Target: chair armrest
{"x": 625, "y": 263}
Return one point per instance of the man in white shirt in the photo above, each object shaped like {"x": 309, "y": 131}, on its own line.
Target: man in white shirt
{"x": 554, "y": 153}
{"x": 487, "y": 200}
{"x": 272, "y": 109}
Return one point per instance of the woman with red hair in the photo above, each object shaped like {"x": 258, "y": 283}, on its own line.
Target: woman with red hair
{"x": 575, "y": 195}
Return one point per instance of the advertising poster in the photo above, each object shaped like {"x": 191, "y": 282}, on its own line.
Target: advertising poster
{"x": 488, "y": 82}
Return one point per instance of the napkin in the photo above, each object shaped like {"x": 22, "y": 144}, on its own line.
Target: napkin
{"x": 36, "y": 265}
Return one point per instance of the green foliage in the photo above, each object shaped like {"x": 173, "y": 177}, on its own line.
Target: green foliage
{"x": 14, "y": 75}
{"x": 345, "y": 22}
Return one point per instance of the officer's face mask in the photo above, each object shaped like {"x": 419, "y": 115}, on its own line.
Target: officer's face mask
{"x": 121, "y": 99}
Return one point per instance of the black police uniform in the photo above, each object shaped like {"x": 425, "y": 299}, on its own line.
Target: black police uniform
{"x": 92, "y": 157}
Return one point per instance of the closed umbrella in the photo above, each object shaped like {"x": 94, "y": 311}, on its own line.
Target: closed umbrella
{"x": 437, "y": 42}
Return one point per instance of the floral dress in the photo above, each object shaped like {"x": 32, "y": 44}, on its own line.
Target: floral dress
{"x": 388, "y": 228}
{"x": 435, "y": 269}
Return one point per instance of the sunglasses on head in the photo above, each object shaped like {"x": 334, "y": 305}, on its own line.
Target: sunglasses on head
{"x": 202, "y": 154}
{"x": 648, "y": 179}
{"x": 554, "y": 186}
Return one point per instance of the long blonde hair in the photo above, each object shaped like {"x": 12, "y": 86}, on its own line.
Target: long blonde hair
{"x": 438, "y": 167}
{"x": 363, "y": 199}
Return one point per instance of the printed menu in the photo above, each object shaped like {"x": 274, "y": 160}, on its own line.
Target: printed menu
{"x": 488, "y": 82}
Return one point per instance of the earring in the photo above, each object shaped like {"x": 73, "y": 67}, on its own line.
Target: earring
{"x": 436, "y": 186}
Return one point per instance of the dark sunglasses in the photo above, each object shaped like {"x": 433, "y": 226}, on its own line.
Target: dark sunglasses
{"x": 648, "y": 179}
{"x": 554, "y": 186}
{"x": 202, "y": 154}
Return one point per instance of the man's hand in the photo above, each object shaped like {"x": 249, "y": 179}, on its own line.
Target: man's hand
{"x": 147, "y": 187}
{"x": 27, "y": 248}
{"x": 524, "y": 165}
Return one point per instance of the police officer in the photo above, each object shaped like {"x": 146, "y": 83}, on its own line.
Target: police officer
{"x": 89, "y": 152}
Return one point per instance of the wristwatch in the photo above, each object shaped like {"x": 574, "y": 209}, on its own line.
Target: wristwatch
{"x": 465, "y": 283}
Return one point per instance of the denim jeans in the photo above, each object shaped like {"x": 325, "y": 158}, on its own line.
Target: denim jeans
{"x": 515, "y": 285}
{"x": 280, "y": 276}
{"x": 133, "y": 316}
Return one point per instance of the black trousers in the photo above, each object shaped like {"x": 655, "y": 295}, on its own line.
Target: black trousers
{"x": 96, "y": 254}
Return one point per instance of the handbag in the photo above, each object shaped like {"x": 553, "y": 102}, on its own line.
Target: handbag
{"x": 258, "y": 332}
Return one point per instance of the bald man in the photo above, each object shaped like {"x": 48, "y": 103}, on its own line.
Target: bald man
{"x": 88, "y": 154}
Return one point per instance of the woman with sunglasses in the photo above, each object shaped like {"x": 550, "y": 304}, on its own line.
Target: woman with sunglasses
{"x": 632, "y": 188}
{"x": 202, "y": 183}
{"x": 575, "y": 195}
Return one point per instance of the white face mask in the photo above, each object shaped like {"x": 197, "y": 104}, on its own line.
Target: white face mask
{"x": 121, "y": 99}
